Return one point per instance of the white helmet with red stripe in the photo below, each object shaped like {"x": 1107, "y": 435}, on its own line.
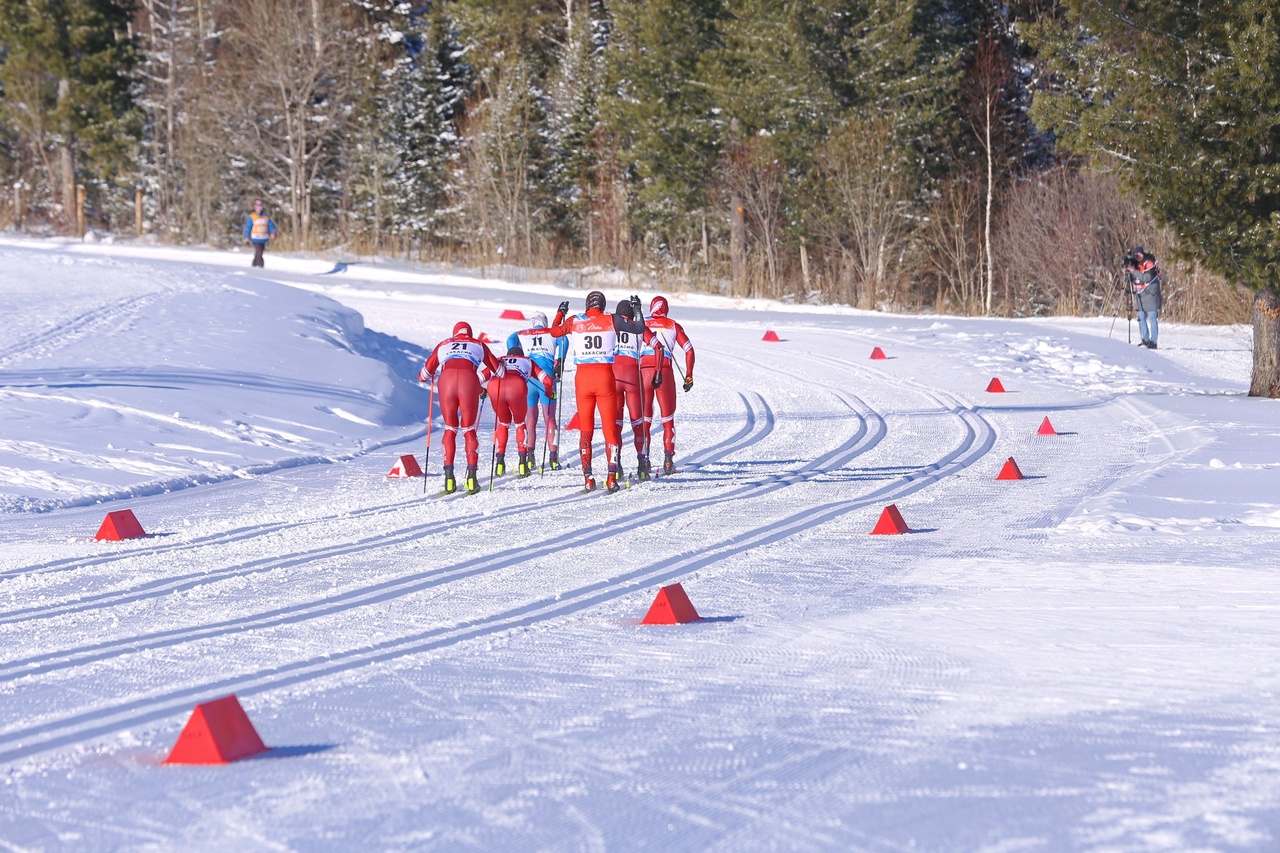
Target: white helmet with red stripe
{"x": 658, "y": 307}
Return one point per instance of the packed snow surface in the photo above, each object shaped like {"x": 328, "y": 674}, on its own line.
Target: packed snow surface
{"x": 1084, "y": 659}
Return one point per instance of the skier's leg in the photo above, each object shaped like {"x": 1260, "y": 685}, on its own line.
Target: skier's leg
{"x": 468, "y": 414}
{"x": 666, "y": 397}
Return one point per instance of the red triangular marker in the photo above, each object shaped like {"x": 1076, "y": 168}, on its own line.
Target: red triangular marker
{"x": 406, "y": 466}
{"x": 671, "y": 607}
{"x": 121, "y": 524}
{"x": 1046, "y": 428}
{"x": 511, "y": 314}
{"x": 878, "y": 354}
{"x": 218, "y": 732}
{"x": 1010, "y": 471}
{"x": 995, "y": 387}
{"x": 890, "y": 523}
{"x": 573, "y": 423}
{"x": 771, "y": 335}
{"x": 484, "y": 339}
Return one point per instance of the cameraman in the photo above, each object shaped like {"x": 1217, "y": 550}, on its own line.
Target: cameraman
{"x": 1144, "y": 281}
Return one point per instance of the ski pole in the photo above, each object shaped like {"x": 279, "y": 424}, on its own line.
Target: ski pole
{"x": 431, "y": 399}
{"x": 559, "y": 392}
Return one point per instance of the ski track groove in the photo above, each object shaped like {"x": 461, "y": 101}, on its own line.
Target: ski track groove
{"x": 977, "y": 441}
{"x": 78, "y": 326}
{"x": 709, "y": 454}
{"x": 744, "y": 437}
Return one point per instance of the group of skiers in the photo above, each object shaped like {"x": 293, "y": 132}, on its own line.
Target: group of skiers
{"x": 624, "y": 363}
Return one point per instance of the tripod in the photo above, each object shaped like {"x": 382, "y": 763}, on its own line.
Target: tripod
{"x": 1127, "y": 287}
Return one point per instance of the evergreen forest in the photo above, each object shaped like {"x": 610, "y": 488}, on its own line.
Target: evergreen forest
{"x": 963, "y": 156}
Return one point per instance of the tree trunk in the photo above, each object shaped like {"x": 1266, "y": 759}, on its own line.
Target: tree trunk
{"x": 1266, "y": 345}
{"x": 66, "y": 157}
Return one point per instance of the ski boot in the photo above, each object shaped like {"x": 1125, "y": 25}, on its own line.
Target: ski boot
{"x": 589, "y": 481}
{"x": 473, "y": 482}
{"x": 611, "y": 483}
{"x": 500, "y": 466}
{"x": 642, "y": 469}
{"x": 555, "y": 461}
{"x": 668, "y": 464}
{"x": 523, "y": 470}
{"x": 450, "y": 484}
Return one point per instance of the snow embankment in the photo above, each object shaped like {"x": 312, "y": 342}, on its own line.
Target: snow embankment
{"x": 138, "y": 379}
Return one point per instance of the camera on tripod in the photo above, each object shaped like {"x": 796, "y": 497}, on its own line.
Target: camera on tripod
{"x": 1130, "y": 259}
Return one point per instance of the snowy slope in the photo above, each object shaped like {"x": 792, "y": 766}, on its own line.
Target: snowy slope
{"x": 1083, "y": 659}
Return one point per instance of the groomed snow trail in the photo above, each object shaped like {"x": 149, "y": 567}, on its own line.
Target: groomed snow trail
{"x": 1054, "y": 663}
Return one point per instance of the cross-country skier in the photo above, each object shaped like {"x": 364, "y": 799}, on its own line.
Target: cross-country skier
{"x": 626, "y": 372}
{"x": 657, "y": 378}
{"x": 549, "y": 354}
{"x": 510, "y": 398}
{"x": 595, "y": 341}
{"x": 458, "y": 358}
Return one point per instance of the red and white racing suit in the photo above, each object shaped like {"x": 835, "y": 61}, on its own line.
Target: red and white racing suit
{"x": 594, "y": 336}
{"x": 510, "y": 398}
{"x": 458, "y": 358}
{"x": 673, "y": 342}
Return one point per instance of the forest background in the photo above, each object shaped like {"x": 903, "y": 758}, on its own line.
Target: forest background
{"x": 893, "y": 154}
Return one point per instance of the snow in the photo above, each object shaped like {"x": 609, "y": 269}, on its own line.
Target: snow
{"x": 1086, "y": 659}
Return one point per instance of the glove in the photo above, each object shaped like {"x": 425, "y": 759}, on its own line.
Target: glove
{"x": 635, "y": 307}
{"x": 688, "y": 383}
{"x": 484, "y": 392}
{"x": 657, "y": 379}
{"x": 564, "y": 308}
{"x": 550, "y": 388}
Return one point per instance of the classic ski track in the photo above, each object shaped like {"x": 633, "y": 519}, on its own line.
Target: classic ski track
{"x": 708, "y": 454}
{"x": 743, "y": 438}
{"x": 76, "y": 327}
{"x": 977, "y": 441}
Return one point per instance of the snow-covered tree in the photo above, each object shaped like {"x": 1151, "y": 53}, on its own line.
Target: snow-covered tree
{"x": 1182, "y": 99}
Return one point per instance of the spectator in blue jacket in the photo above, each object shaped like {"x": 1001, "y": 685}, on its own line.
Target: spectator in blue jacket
{"x": 258, "y": 231}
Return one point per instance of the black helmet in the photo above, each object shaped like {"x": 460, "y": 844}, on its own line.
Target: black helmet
{"x": 1138, "y": 250}
{"x": 595, "y": 299}
{"x": 624, "y": 309}
{"x": 515, "y": 350}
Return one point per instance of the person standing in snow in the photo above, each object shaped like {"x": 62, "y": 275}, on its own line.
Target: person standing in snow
{"x": 626, "y": 373}
{"x": 510, "y": 398}
{"x": 657, "y": 378}
{"x": 595, "y": 344}
{"x": 259, "y": 230}
{"x": 1144, "y": 278}
{"x": 458, "y": 359}
{"x": 548, "y": 354}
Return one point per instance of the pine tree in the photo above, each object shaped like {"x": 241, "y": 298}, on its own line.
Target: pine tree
{"x": 65, "y": 72}
{"x": 573, "y": 146}
{"x": 1183, "y": 101}
{"x": 666, "y": 121}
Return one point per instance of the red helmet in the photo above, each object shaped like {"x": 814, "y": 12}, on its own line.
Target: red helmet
{"x": 462, "y": 327}
{"x": 658, "y": 307}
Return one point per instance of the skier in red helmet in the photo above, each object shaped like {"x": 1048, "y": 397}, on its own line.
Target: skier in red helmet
{"x": 657, "y": 377}
{"x": 510, "y": 398}
{"x": 458, "y": 358}
{"x": 594, "y": 335}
